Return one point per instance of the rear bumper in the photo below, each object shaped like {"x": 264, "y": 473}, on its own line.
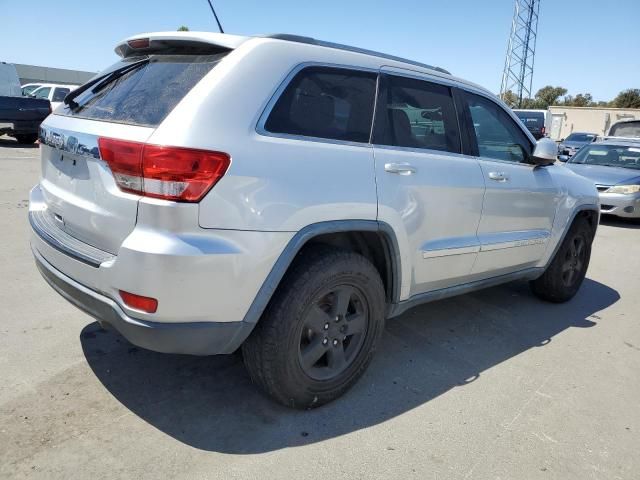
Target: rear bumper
{"x": 627, "y": 206}
{"x": 196, "y": 338}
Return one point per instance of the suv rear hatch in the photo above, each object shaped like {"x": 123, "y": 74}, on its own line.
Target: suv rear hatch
{"x": 86, "y": 196}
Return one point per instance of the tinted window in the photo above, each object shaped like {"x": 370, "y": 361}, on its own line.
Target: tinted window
{"x": 145, "y": 95}
{"x": 59, "y": 94}
{"x": 497, "y": 135}
{"x": 418, "y": 114}
{"x": 326, "y": 103}
{"x": 42, "y": 92}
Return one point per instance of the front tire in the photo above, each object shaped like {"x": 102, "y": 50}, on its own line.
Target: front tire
{"x": 320, "y": 331}
{"x": 564, "y": 275}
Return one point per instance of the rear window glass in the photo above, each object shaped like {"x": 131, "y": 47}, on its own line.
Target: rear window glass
{"x": 631, "y": 129}
{"x": 145, "y": 95}
{"x": 325, "y": 102}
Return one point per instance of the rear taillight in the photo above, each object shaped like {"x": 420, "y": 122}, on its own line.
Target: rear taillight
{"x": 543, "y": 131}
{"x": 170, "y": 173}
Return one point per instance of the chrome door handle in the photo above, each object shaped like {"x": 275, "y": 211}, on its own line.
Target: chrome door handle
{"x": 498, "y": 176}
{"x": 399, "y": 168}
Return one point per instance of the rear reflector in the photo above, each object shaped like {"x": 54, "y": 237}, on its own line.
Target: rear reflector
{"x": 170, "y": 173}
{"x": 138, "y": 302}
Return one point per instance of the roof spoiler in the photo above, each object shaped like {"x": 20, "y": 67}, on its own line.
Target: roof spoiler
{"x": 183, "y": 43}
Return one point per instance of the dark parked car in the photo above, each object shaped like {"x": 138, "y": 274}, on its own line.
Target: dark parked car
{"x": 534, "y": 120}
{"x": 20, "y": 117}
{"x": 574, "y": 142}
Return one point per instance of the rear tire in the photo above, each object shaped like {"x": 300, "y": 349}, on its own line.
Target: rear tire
{"x": 320, "y": 330}
{"x": 564, "y": 275}
{"x": 26, "y": 138}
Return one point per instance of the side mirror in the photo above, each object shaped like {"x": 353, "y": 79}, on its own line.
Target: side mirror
{"x": 562, "y": 140}
{"x": 545, "y": 152}
{"x": 563, "y": 158}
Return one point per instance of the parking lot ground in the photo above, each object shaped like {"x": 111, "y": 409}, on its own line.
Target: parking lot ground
{"x": 491, "y": 385}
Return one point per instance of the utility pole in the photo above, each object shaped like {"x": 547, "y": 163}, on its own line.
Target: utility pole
{"x": 518, "y": 65}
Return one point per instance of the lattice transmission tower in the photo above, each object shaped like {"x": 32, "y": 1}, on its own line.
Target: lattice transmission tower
{"x": 518, "y": 66}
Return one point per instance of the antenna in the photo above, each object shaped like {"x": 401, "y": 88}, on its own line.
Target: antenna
{"x": 518, "y": 66}
{"x": 216, "y": 16}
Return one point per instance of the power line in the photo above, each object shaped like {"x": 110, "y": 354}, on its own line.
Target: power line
{"x": 216, "y": 16}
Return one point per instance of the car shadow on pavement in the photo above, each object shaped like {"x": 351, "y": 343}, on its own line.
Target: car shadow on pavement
{"x": 209, "y": 402}
{"x": 8, "y": 142}
{"x": 619, "y": 222}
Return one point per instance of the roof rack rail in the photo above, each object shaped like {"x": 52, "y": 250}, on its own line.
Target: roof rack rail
{"x": 312, "y": 41}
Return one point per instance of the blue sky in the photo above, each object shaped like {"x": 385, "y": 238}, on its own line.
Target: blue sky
{"x": 583, "y": 45}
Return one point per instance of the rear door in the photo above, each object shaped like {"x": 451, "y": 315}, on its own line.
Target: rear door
{"x": 79, "y": 189}
{"x": 428, "y": 190}
{"x": 521, "y": 199}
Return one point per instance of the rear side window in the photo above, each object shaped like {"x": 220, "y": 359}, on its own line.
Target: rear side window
{"x": 59, "y": 94}
{"x": 417, "y": 114}
{"x": 147, "y": 94}
{"x": 324, "y": 102}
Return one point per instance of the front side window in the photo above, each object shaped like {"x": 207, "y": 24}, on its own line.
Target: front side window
{"x": 59, "y": 94}
{"x": 326, "y": 102}
{"x": 42, "y": 92}
{"x": 498, "y": 137}
{"x": 417, "y": 114}
{"x": 29, "y": 89}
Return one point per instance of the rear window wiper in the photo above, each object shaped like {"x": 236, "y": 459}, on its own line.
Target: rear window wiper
{"x": 99, "y": 83}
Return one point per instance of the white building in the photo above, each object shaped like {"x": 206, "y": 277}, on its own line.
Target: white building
{"x": 561, "y": 121}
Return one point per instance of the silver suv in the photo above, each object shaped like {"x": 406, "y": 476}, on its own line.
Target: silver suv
{"x": 286, "y": 196}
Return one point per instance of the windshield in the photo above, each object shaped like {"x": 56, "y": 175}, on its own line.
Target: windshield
{"x": 609, "y": 155}
{"x": 629, "y": 129}
{"x": 28, "y": 89}
{"x": 145, "y": 93}
{"x": 531, "y": 119}
{"x": 581, "y": 137}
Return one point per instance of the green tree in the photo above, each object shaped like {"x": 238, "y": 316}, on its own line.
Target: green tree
{"x": 627, "y": 99}
{"x": 549, "y": 95}
{"x": 183, "y": 28}
{"x": 510, "y": 99}
{"x": 580, "y": 100}
{"x": 530, "y": 103}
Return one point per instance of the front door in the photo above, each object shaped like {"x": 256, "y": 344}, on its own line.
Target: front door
{"x": 428, "y": 191}
{"x": 521, "y": 199}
